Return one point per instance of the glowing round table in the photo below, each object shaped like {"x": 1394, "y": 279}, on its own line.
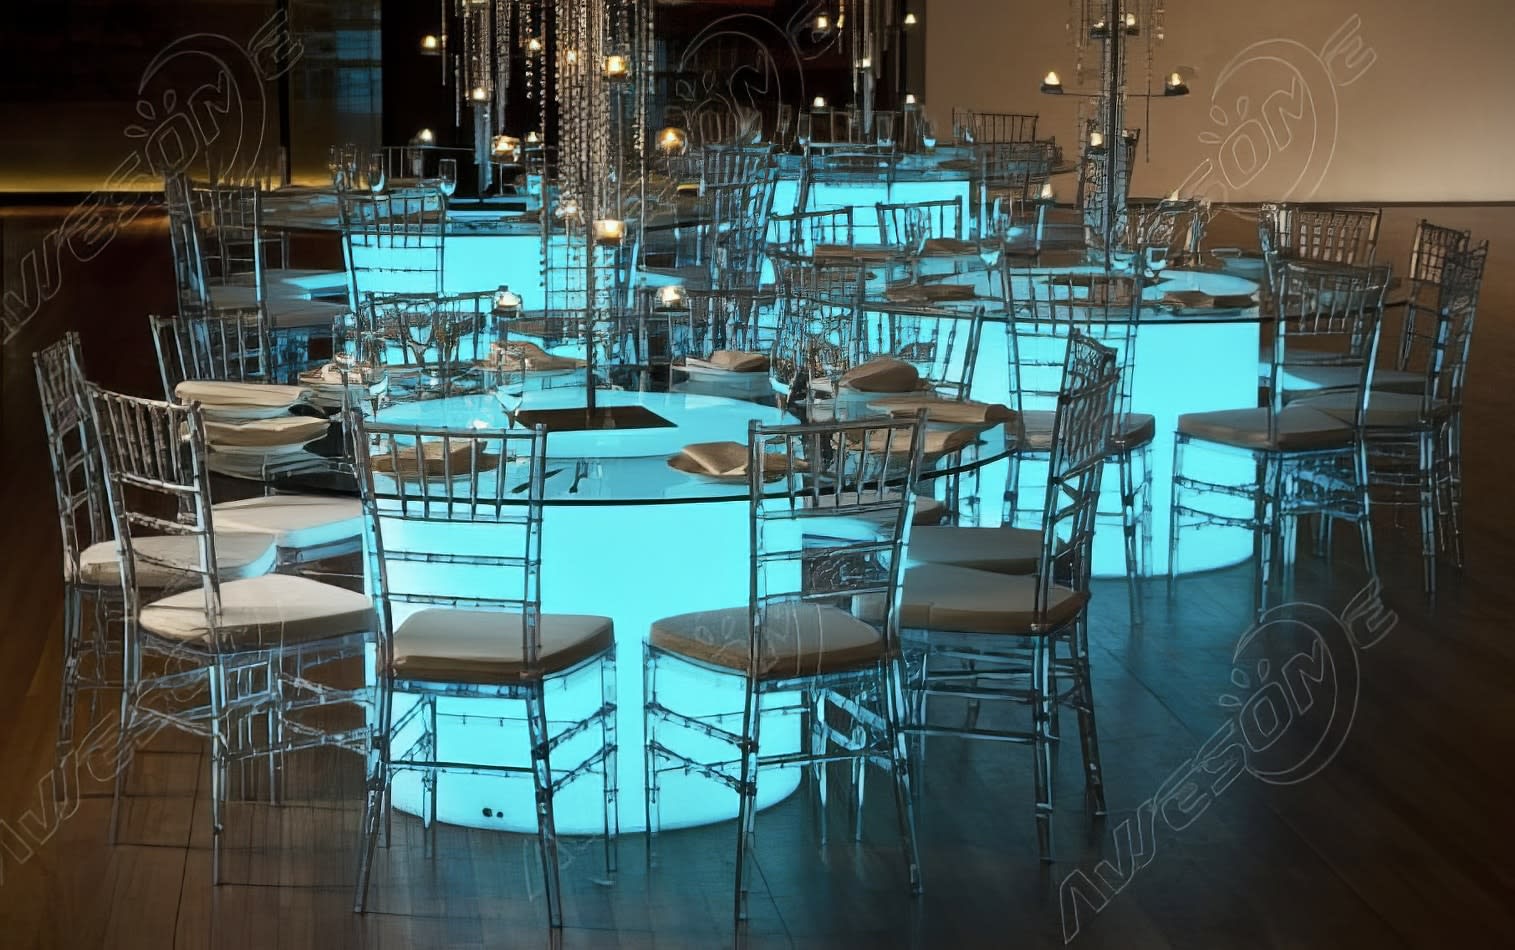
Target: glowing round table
{"x": 632, "y": 539}
{"x": 1195, "y": 362}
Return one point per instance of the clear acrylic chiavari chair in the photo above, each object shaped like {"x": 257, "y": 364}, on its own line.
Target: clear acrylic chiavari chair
{"x": 427, "y": 344}
{"x": 455, "y": 564}
{"x": 394, "y": 242}
{"x": 817, "y": 639}
{"x": 800, "y": 232}
{"x": 214, "y": 650}
{"x": 981, "y": 637}
{"x": 941, "y": 219}
{"x": 1308, "y": 461}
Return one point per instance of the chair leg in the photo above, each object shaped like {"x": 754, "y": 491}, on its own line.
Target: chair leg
{"x": 368, "y": 836}
{"x": 429, "y": 782}
{"x": 1088, "y": 734}
{"x": 547, "y": 832}
{"x": 217, "y": 689}
{"x": 815, "y": 703}
{"x": 1365, "y": 511}
{"x": 1041, "y": 744}
{"x": 1174, "y": 514}
{"x": 73, "y": 629}
{"x": 892, "y": 691}
{"x": 746, "y": 798}
{"x": 1454, "y": 481}
{"x": 1428, "y": 506}
{"x": 609, "y": 767}
{"x": 1129, "y": 519}
{"x": 650, "y": 807}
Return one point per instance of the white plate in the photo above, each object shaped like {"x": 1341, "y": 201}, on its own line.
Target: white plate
{"x": 244, "y": 413}
{"x": 269, "y": 452}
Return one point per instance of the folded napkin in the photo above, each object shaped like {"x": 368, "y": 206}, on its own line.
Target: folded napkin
{"x": 946, "y": 246}
{"x": 1199, "y": 300}
{"x": 331, "y": 375}
{"x": 278, "y": 431}
{"x": 956, "y": 412}
{"x": 459, "y": 459}
{"x": 727, "y": 460}
{"x": 519, "y": 355}
{"x": 732, "y": 361}
{"x": 211, "y": 392}
{"x": 882, "y": 375}
{"x": 928, "y": 293}
{"x": 957, "y": 165}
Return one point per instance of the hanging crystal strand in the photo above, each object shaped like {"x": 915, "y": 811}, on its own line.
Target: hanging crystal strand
{"x": 442, "y": 38}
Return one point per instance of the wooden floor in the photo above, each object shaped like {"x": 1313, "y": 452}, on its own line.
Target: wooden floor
{"x": 1401, "y": 839}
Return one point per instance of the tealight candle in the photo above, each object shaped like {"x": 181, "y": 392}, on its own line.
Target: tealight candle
{"x": 533, "y": 45}
{"x": 507, "y": 300}
{"x": 533, "y": 139}
{"x": 909, "y": 98}
{"x": 1130, "y": 21}
{"x": 479, "y": 94}
{"x": 818, "y": 103}
{"x": 672, "y": 140}
{"x": 1052, "y": 83}
{"x": 616, "y": 67}
{"x": 507, "y": 145}
{"x": 865, "y": 63}
{"x": 909, "y": 19}
{"x": 430, "y": 44}
{"x": 671, "y": 297}
{"x": 425, "y": 137}
{"x": 609, "y": 230}
{"x": 1096, "y": 140}
{"x": 822, "y": 22}
{"x": 1046, "y": 191}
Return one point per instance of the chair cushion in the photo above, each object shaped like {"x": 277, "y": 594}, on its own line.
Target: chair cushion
{"x": 173, "y": 559}
{"x": 798, "y": 639}
{"x": 306, "y": 282}
{"x": 484, "y": 646}
{"x": 925, "y": 509}
{"x": 1385, "y": 409}
{"x": 1002, "y": 550}
{"x": 294, "y": 521}
{"x": 960, "y": 599}
{"x": 1303, "y": 379}
{"x": 1132, "y": 430}
{"x": 303, "y": 314}
{"x": 1299, "y": 428}
{"x": 262, "y": 612}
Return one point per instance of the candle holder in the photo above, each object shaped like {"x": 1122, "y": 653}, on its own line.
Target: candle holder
{"x": 1052, "y": 85}
{"x": 616, "y": 67}
{"x": 507, "y": 303}
{"x": 431, "y": 45}
{"x": 672, "y": 297}
{"x": 1175, "y": 86}
{"x": 672, "y": 141}
{"x": 609, "y": 231}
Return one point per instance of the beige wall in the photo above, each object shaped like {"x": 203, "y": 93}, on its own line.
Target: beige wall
{"x": 1330, "y": 100}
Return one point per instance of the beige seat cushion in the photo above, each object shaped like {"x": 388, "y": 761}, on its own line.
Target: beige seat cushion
{"x": 1299, "y": 429}
{"x": 294, "y": 521}
{"x": 301, "y": 314}
{"x": 798, "y": 639}
{"x": 219, "y": 393}
{"x": 1002, "y": 550}
{"x": 1303, "y": 379}
{"x": 173, "y": 560}
{"x": 1387, "y": 410}
{"x": 263, "y": 612}
{"x": 1132, "y": 430}
{"x": 484, "y": 646}
{"x": 960, "y": 599}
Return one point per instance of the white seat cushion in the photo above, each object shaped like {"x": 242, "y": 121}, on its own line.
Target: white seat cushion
{"x": 798, "y": 639}
{"x": 294, "y": 521}
{"x": 262, "y": 612}
{"x": 309, "y": 283}
{"x": 1001, "y": 550}
{"x": 960, "y": 599}
{"x": 300, "y": 314}
{"x": 1302, "y": 379}
{"x": 1299, "y": 429}
{"x": 483, "y": 646}
{"x": 1385, "y": 409}
{"x": 173, "y": 560}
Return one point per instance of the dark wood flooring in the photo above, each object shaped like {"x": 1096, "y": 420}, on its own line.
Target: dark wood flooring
{"x": 1399, "y": 840}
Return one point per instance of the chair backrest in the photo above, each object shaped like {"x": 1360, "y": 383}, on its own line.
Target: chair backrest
{"x": 238, "y": 251}
{"x": 1327, "y": 235}
{"x": 733, "y": 164}
{"x": 1046, "y": 309}
{"x": 736, "y": 232}
{"x": 192, "y": 278}
{"x": 745, "y": 320}
{"x": 72, "y": 450}
{"x": 225, "y": 344}
{"x": 393, "y": 242}
{"x": 427, "y": 342}
{"x": 158, "y": 483}
{"x": 1174, "y": 225}
{"x": 942, "y": 218}
{"x": 942, "y": 344}
{"x": 1081, "y": 431}
{"x": 830, "y": 514}
{"x": 993, "y": 127}
{"x": 1333, "y": 312}
{"x": 1448, "y": 343}
{"x": 446, "y": 528}
{"x": 850, "y": 164}
{"x": 800, "y": 231}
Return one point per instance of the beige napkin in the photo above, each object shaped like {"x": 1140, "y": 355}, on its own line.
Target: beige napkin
{"x": 1199, "y": 300}
{"x": 855, "y": 252}
{"x": 947, "y": 246}
{"x": 952, "y": 411}
{"x": 934, "y": 441}
{"x": 732, "y": 361}
{"x": 882, "y": 375}
{"x": 282, "y": 430}
{"x": 518, "y": 355}
{"x": 729, "y": 460}
{"x": 911, "y": 293}
{"x": 225, "y": 394}
{"x": 458, "y": 460}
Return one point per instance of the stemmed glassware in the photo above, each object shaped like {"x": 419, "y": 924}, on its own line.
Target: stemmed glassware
{"x": 377, "y": 177}
{"x": 802, "y": 130}
{"x": 883, "y": 129}
{"x": 996, "y": 232}
{"x": 928, "y": 134}
{"x": 447, "y": 176}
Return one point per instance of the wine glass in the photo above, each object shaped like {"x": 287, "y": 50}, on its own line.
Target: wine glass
{"x": 883, "y": 129}
{"x": 996, "y": 232}
{"x": 447, "y": 176}
{"x": 802, "y": 130}
{"x": 377, "y": 178}
{"x": 928, "y": 135}
{"x": 335, "y": 166}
